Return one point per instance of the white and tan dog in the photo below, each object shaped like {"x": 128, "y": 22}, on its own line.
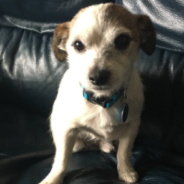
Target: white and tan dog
{"x": 100, "y": 97}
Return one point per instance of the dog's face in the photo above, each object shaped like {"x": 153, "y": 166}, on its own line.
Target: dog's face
{"x": 102, "y": 43}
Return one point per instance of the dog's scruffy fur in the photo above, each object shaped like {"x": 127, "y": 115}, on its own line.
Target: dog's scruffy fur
{"x": 104, "y": 37}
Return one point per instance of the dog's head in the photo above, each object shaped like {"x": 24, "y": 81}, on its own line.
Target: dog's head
{"x": 102, "y": 43}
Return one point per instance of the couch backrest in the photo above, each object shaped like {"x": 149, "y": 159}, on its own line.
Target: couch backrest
{"x": 45, "y": 10}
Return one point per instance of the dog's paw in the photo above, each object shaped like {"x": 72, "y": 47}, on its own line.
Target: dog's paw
{"x": 52, "y": 180}
{"x": 106, "y": 147}
{"x": 79, "y": 145}
{"x": 129, "y": 177}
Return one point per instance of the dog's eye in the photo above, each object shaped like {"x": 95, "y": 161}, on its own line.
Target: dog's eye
{"x": 122, "y": 41}
{"x": 78, "y": 45}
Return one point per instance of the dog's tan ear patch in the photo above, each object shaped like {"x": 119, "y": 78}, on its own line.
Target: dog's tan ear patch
{"x": 147, "y": 34}
{"x": 60, "y": 37}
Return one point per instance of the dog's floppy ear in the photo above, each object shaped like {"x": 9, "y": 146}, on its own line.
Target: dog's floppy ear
{"x": 60, "y": 37}
{"x": 147, "y": 34}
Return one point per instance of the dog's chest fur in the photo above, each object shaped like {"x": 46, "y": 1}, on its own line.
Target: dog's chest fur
{"x": 88, "y": 117}
{"x": 100, "y": 121}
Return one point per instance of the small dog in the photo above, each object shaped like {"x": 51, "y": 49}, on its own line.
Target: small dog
{"x": 100, "y": 97}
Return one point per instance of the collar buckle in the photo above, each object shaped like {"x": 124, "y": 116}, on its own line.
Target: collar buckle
{"x": 100, "y": 101}
{"x": 88, "y": 95}
{"x": 103, "y": 101}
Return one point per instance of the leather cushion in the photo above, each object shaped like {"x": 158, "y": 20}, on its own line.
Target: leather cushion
{"x": 153, "y": 166}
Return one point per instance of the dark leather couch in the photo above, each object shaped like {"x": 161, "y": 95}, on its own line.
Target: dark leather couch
{"x": 29, "y": 77}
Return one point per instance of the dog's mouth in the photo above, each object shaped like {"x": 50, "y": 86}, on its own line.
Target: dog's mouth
{"x": 101, "y": 88}
{"x": 105, "y": 90}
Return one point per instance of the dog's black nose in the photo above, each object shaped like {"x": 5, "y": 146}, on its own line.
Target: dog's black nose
{"x": 99, "y": 77}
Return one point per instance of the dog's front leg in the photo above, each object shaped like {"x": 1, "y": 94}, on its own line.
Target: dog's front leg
{"x": 64, "y": 142}
{"x": 125, "y": 168}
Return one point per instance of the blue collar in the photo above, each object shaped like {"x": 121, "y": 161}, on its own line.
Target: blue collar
{"x": 103, "y": 101}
